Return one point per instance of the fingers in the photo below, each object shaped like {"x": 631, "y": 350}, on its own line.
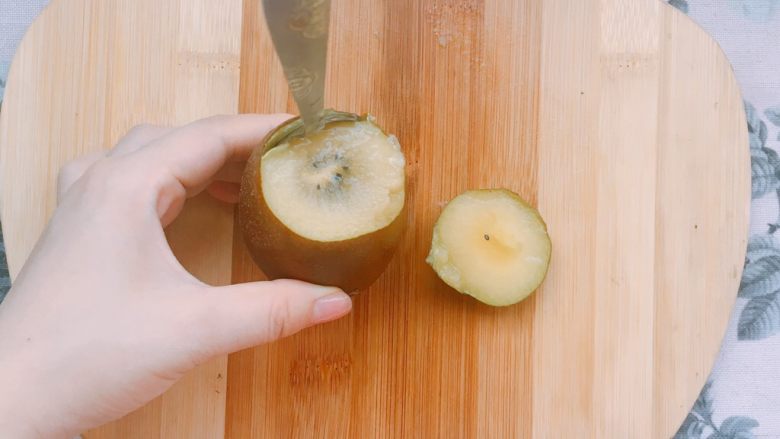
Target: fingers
{"x": 179, "y": 163}
{"x": 246, "y": 315}
{"x": 224, "y": 191}
{"x": 135, "y": 139}
{"x": 185, "y": 162}
{"x": 227, "y": 183}
{"x": 74, "y": 169}
{"x": 195, "y": 153}
{"x": 138, "y": 137}
{"x": 231, "y": 172}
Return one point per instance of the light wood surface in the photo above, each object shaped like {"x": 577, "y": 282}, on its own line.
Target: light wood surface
{"x": 85, "y": 73}
{"x": 620, "y": 119}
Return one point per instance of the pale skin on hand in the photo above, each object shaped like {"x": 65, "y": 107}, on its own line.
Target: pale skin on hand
{"x": 103, "y": 318}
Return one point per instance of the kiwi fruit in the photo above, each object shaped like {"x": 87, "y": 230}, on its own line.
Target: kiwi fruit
{"x": 326, "y": 207}
{"x": 491, "y": 245}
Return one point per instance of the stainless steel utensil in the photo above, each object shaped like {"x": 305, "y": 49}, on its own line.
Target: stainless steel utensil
{"x": 299, "y": 30}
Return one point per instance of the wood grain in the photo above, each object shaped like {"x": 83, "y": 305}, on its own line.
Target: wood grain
{"x": 86, "y": 72}
{"x": 620, "y": 120}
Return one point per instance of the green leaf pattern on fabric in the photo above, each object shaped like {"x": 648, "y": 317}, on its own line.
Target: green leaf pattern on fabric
{"x": 760, "y": 246}
{"x": 756, "y": 10}
{"x": 700, "y": 422}
{"x": 764, "y": 174}
{"x": 680, "y": 4}
{"x": 764, "y": 161}
{"x": 760, "y": 318}
{"x": 5, "y": 278}
{"x": 737, "y": 427}
{"x": 773, "y": 115}
{"x": 761, "y": 277}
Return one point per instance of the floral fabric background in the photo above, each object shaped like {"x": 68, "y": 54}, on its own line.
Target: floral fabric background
{"x": 741, "y": 399}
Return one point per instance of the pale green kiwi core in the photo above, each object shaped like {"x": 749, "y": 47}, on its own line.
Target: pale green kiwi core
{"x": 339, "y": 183}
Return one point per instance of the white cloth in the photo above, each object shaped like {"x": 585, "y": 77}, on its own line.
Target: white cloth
{"x": 15, "y": 17}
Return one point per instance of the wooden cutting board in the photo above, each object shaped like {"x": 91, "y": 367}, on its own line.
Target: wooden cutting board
{"x": 620, "y": 119}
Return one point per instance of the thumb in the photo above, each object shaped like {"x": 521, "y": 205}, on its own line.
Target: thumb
{"x": 250, "y": 314}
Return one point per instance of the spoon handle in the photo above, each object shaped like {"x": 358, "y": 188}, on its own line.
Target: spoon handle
{"x": 299, "y": 30}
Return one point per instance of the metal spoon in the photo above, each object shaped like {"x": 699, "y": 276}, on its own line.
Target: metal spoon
{"x": 299, "y": 30}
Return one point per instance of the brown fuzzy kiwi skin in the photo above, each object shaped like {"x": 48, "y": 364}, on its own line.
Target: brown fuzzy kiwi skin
{"x": 351, "y": 264}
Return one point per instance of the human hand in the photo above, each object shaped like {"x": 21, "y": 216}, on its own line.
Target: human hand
{"x": 103, "y": 318}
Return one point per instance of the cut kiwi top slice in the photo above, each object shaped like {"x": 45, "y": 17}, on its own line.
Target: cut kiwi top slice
{"x": 338, "y": 183}
{"x": 492, "y": 245}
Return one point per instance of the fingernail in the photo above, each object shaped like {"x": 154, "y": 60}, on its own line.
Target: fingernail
{"x": 331, "y": 307}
